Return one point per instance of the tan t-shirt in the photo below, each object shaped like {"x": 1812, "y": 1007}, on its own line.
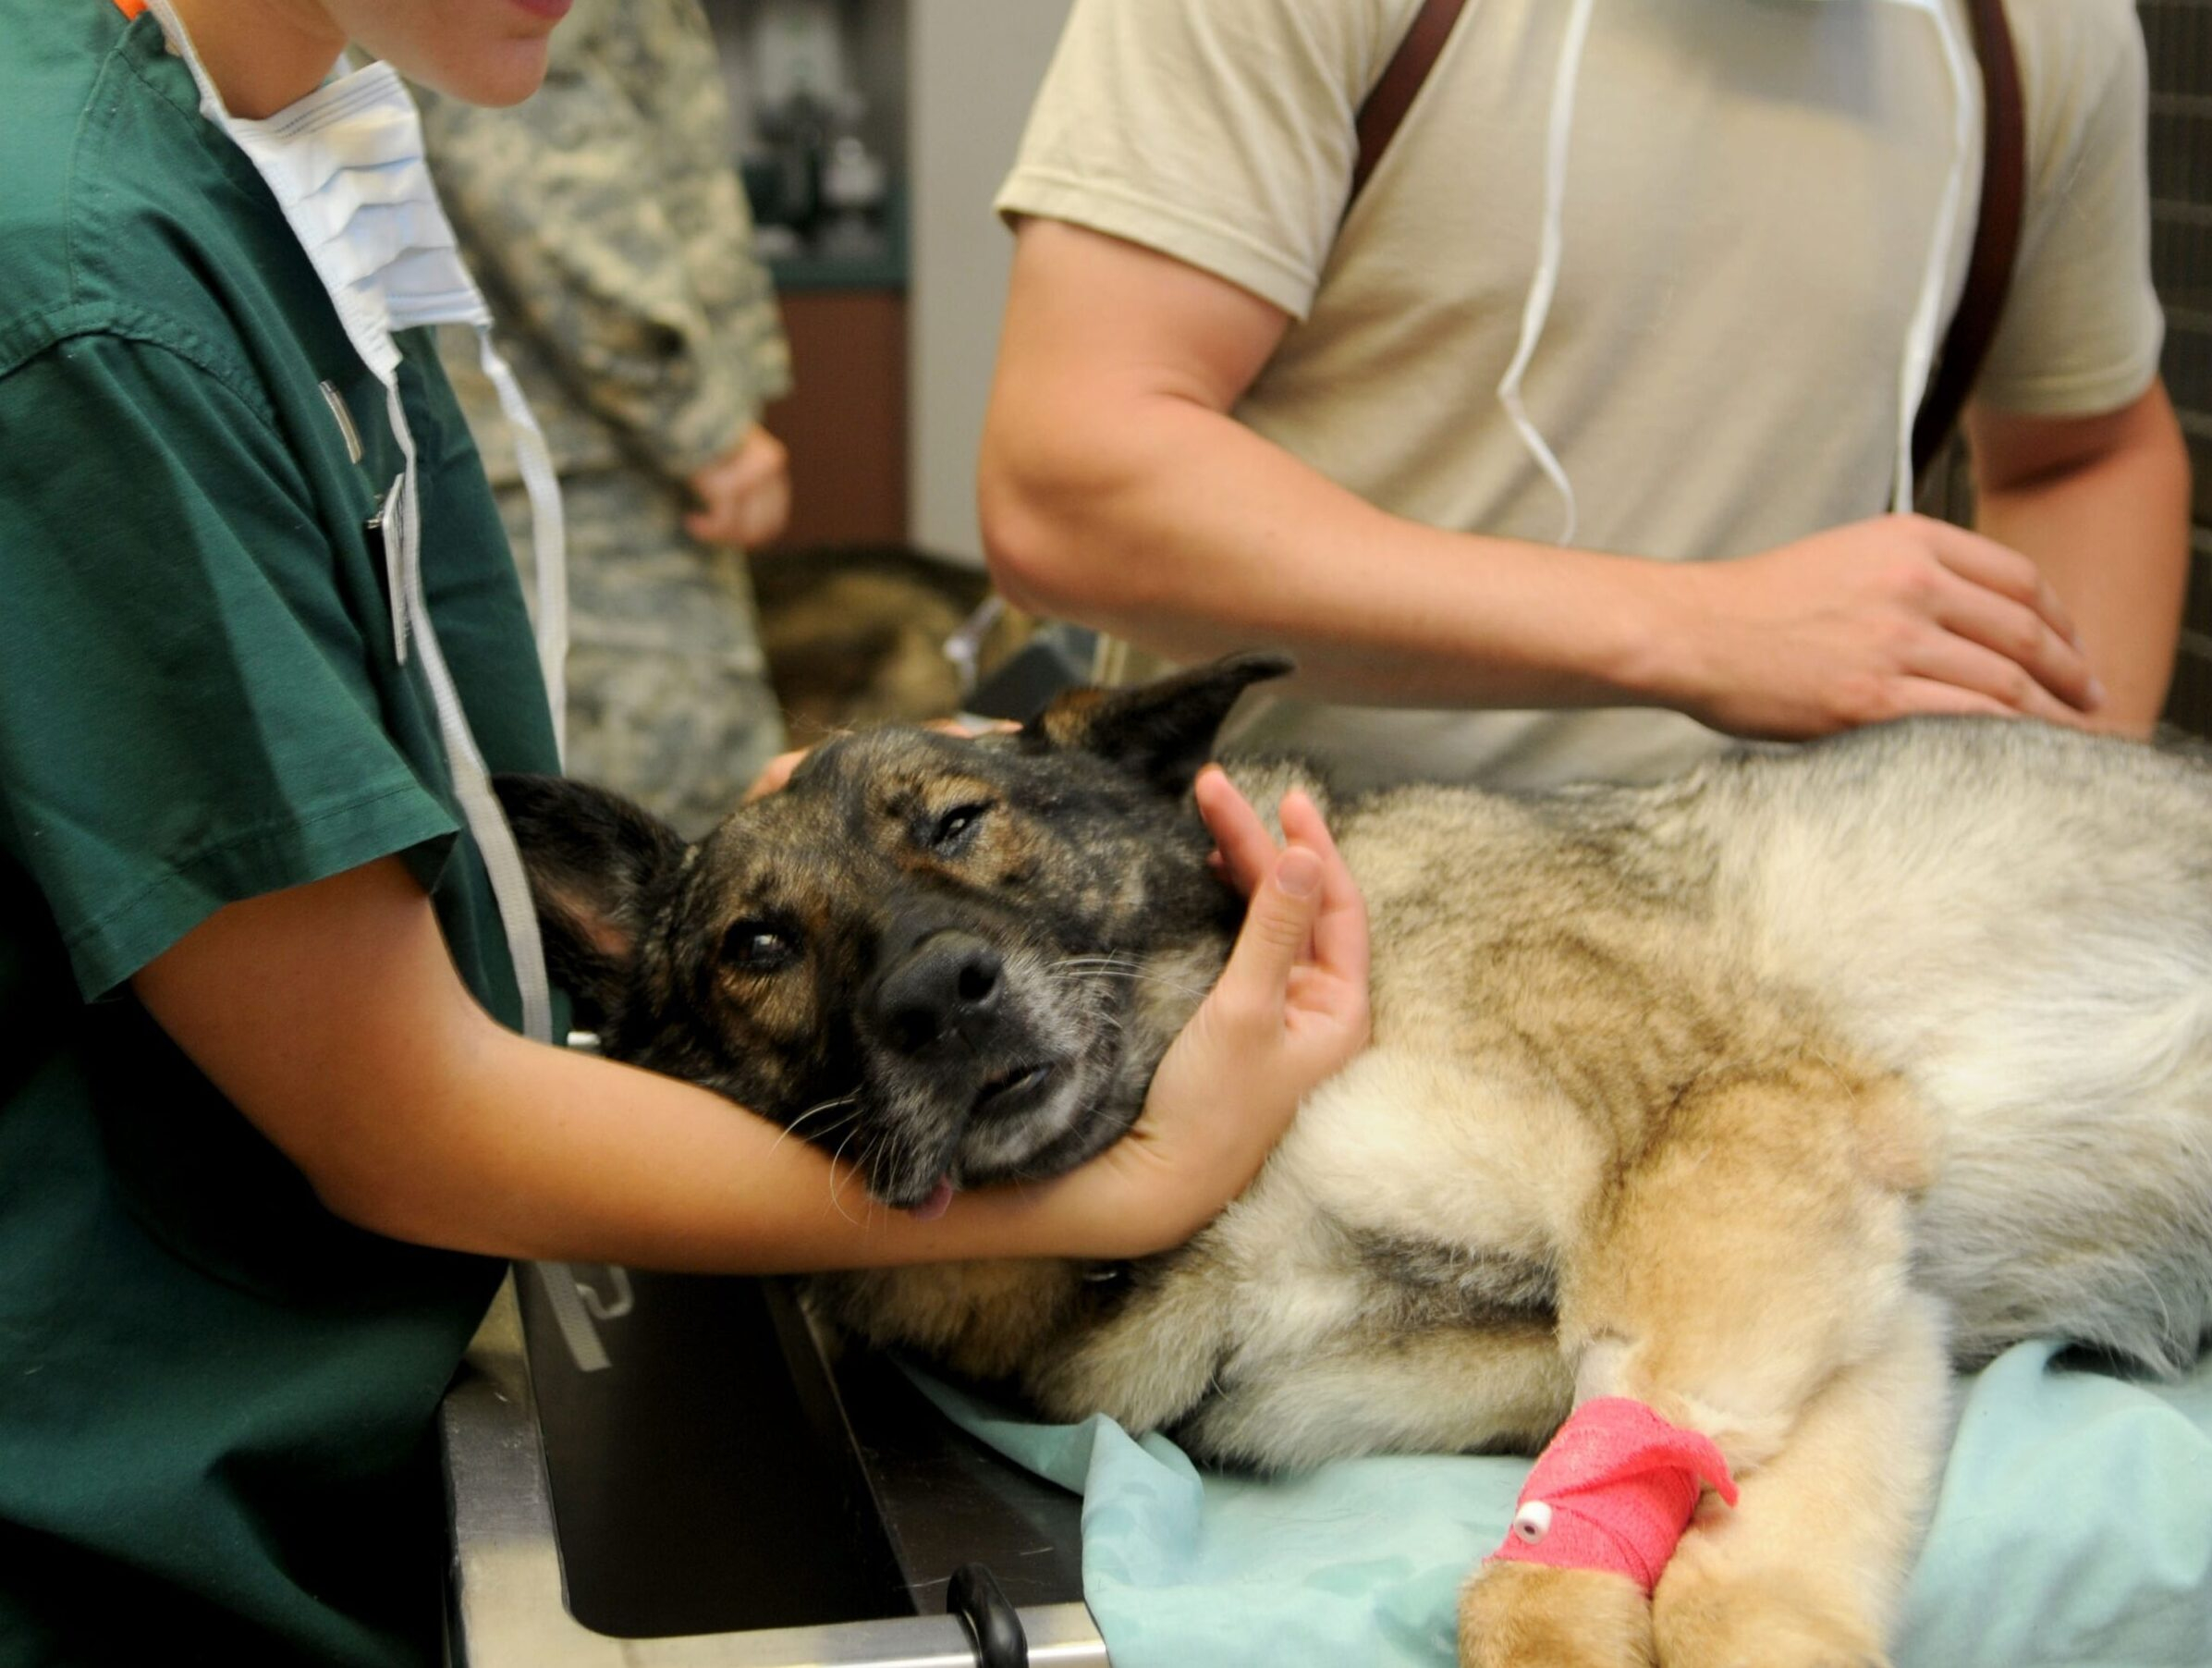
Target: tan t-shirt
{"x": 1751, "y": 192}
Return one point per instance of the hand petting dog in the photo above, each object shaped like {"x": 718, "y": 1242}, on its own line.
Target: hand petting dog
{"x": 1288, "y": 1012}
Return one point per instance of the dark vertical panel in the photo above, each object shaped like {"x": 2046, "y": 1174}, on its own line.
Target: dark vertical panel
{"x": 2178, "y": 35}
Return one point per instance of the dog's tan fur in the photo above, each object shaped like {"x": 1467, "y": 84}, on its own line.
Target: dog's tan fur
{"x": 1758, "y": 1098}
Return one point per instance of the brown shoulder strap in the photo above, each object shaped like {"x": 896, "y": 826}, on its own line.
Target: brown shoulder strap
{"x": 1996, "y": 237}
{"x": 1392, "y": 95}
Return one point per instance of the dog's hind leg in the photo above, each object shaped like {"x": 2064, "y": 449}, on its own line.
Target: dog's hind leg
{"x": 1744, "y": 1276}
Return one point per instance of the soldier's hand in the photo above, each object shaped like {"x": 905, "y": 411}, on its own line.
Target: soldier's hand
{"x": 1870, "y": 621}
{"x": 745, "y": 495}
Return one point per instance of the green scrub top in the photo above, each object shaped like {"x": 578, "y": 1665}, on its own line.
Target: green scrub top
{"x": 216, "y": 1398}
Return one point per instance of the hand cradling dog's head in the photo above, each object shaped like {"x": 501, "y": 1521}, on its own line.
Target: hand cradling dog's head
{"x": 952, "y": 961}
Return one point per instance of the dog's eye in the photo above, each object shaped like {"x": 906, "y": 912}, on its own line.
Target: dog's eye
{"x": 757, "y": 946}
{"x": 953, "y": 828}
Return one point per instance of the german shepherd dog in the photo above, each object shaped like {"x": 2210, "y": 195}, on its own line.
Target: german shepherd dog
{"x": 1760, "y": 1096}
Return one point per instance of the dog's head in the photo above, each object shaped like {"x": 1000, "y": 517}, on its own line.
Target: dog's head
{"x": 954, "y": 960}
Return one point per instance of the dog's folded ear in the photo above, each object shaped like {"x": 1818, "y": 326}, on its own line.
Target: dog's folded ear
{"x": 1164, "y": 730}
{"x": 594, "y": 861}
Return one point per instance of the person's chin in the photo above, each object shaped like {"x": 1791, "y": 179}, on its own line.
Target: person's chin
{"x": 496, "y": 76}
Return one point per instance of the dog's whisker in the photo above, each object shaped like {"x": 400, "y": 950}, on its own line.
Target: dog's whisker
{"x": 818, "y": 1134}
{"x": 834, "y": 1198}
{"x": 792, "y": 1127}
{"x": 845, "y": 1099}
{"x": 1095, "y": 965}
{"x": 1120, "y": 966}
{"x": 1138, "y": 975}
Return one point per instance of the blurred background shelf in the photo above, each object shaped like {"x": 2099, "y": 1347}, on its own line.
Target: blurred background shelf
{"x": 892, "y": 301}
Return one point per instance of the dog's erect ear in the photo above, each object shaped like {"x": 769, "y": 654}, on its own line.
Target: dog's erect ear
{"x": 1163, "y": 731}
{"x": 593, "y": 858}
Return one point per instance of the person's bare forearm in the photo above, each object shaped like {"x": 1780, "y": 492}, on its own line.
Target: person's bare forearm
{"x": 1181, "y": 530}
{"x": 538, "y": 1153}
{"x": 2112, "y": 536}
{"x": 1118, "y": 489}
{"x": 418, "y": 1117}
{"x": 414, "y": 1115}
{"x": 1177, "y": 527}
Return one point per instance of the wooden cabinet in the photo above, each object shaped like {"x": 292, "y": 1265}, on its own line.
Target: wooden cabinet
{"x": 845, "y": 419}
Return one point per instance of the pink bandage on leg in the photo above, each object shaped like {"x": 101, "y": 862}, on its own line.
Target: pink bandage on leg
{"x": 1614, "y": 1490}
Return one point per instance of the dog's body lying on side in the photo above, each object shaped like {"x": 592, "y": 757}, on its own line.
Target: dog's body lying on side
{"x": 1757, "y": 1096}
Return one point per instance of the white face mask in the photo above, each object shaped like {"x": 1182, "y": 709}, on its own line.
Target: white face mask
{"x": 346, "y": 166}
{"x": 1919, "y": 353}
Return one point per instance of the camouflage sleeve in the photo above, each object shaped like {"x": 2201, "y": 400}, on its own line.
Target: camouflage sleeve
{"x": 566, "y": 213}
{"x": 672, "y": 67}
{"x": 767, "y": 352}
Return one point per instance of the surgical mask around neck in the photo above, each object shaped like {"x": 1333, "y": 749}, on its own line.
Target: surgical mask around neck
{"x": 1917, "y": 355}
{"x": 345, "y": 166}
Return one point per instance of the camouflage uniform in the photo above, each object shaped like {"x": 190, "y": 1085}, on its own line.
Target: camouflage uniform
{"x": 605, "y": 221}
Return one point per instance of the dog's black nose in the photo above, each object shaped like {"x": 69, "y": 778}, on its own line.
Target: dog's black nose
{"x": 949, "y": 985}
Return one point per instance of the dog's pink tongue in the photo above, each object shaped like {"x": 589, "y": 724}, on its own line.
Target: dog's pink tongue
{"x": 937, "y": 1205}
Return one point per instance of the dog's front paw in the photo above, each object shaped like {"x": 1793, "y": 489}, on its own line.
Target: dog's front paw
{"x": 1708, "y": 1617}
{"x": 1527, "y": 1615}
